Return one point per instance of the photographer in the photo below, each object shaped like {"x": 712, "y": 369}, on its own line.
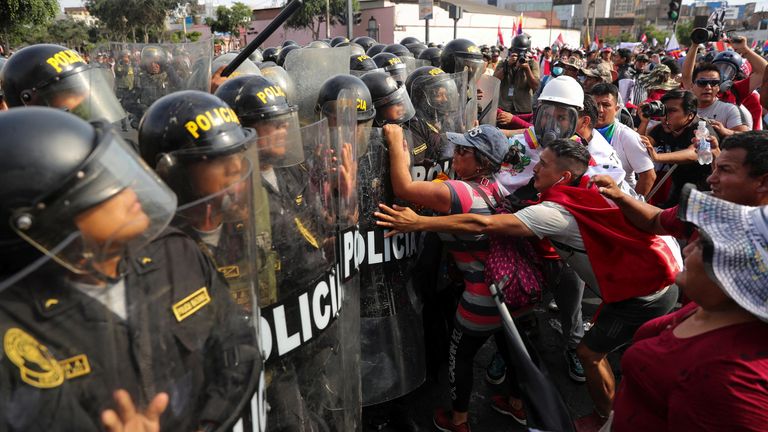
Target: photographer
{"x": 670, "y": 142}
{"x": 519, "y": 76}
{"x": 741, "y": 92}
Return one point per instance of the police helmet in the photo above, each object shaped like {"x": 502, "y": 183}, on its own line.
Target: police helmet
{"x": 270, "y": 54}
{"x": 153, "y": 55}
{"x": 187, "y": 127}
{"x": 433, "y": 92}
{"x": 354, "y": 48}
{"x": 55, "y": 76}
{"x": 461, "y": 53}
{"x": 432, "y": 54}
{"x": 84, "y": 166}
{"x": 398, "y": 50}
{"x": 284, "y": 53}
{"x": 289, "y": 43}
{"x": 318, "y": 44}
{"x": 337, "y": 40}
{"x": 416, "y": 49}
{"x": 375, "y": 49}
{"x": 392, "y": 64}
{"x": 361, "y": 64}
{"x": 280, "y": 76}
{"x": 256, "y": 56}
{"x": 331, "y": 88}
{"x": 365, "y": 42}
{"x": 255, "y": 98}
{"x": 409, "y": 40}
{"x": 389, "y": 98}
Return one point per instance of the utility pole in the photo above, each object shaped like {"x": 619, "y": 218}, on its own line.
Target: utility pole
{"x": 328, "y": 19}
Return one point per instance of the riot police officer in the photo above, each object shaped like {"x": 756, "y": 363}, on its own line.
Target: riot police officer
{"x": 118, "y": 302}
{"x": 55, "y": 76}
{"x": 156, "y": 78}
{"x": 360, "y": 65}
{"x": 389, "y": 98}
{"x": 392, "y": 64}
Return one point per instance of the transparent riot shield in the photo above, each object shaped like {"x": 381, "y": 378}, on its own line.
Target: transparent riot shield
{"x": 489, "y": 104}
{"x": 392, "y": 340}
{"x": 439, "y": 109}
{"x": 245, "y": 68}
{"x": 309, "y": 68}
{"x": 301, "y": 327}
{"x": 410, "y": 63}
{"x": 346, "y": 137}
{"x": 147, "y": 72}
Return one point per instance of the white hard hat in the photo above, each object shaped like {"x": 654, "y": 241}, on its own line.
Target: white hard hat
{"x": 563, "y": 90}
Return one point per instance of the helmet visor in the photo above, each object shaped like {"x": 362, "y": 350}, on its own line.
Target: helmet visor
{"x": 727, "y": 71}
{"x": 113, "y": 205}
{"x": 394, "y": 108}
{"x": 554, "y": 121}
{"x": 474, "y": 66}
{"x": 398, "y": 71}
{"x": 88, "y": 94}
{"x": 279, "y": 140}
{"x": 439, "y": 93}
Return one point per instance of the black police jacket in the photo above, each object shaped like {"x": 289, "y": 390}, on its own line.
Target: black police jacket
{"x": 65, "y": 353}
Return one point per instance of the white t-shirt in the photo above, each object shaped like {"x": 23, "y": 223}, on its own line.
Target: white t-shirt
{"x": 726, "y": 113}
{"x": 111, "y": 296}
{"x": 631, "y": 151}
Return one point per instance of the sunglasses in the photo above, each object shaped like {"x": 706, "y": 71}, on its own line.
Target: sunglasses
{"x": 461, "y": 150}
{"x": 705, "y": 82}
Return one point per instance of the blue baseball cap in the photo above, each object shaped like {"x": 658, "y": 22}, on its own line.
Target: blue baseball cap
{"x": 486, "y": 139}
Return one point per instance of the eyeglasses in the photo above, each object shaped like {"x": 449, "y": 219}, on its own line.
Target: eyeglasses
{"x": 706, "y": 82}
{"x": 462, "y": 150}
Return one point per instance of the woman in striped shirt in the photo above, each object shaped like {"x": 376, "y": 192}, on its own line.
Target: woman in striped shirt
{"x": 478, "y": 155}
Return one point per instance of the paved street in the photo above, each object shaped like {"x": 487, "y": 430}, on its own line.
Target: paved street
{"x": 482, "y": 417}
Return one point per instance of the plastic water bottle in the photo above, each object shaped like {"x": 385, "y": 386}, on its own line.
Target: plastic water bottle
{"x": 704, "y": 152}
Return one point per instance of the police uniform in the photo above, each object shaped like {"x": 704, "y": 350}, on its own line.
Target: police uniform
{"x": 64, "y": 353}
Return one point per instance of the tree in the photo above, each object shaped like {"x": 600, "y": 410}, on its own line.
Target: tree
{"x": 18, "y": 15}
{"x": 123, "y": 17}
{"x": 230, "y": 20}
{"x": 683, "y": 32}
{"x": 312, "y": 13}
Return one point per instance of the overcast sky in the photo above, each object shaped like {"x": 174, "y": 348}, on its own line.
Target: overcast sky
{"x": 761, "y": 4}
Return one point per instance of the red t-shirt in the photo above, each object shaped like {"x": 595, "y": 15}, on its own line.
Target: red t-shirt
{"x": 739, "y": 94}
{"x": 676, "y": 227}
{"x": 716, "y": 381}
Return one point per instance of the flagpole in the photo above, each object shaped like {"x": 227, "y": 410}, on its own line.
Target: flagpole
{"x": 551, "y": 12}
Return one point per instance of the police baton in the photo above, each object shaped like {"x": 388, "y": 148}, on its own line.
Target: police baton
{"x": 286, "y": 13}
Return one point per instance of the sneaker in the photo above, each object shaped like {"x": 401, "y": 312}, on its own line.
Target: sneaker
{"x": 501, "y": 405}
{"x": 575, "y": 369}
{"x": 552, "y": 306}
{"x": 589, "y": 423}
{"x": 496, "y": 370}
{"x": 442, "y": 420}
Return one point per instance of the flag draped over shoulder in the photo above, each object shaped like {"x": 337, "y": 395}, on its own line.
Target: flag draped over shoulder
{"x": 627, "y": 262}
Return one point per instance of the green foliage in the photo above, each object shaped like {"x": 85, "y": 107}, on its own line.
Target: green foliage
{"x": 18, "y": 16}
{"x": 683, "y": 32}
{"x": 66, "y": 32}
{"x": 230, "y": 19}
{"x": 124, "y": 18}
{"x": 178, "y": 36}
{"x": 312, "y": 13}
{"x": 651, "y": 32}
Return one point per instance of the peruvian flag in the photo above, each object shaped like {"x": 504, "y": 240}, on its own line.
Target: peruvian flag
{"x": 559, "y": 42}
{"x": 627, "y": 261}
{"x": 721, "y": 46}
{"x": 499, "y": 36}
{"x": 643, "y": 38}
{"x": 754, "y": 44}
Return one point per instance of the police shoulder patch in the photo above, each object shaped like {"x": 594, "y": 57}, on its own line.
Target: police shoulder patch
{"x": 76, "y": 366}
{"x": 190, "y": 304}
{"x": 36, "y": 364}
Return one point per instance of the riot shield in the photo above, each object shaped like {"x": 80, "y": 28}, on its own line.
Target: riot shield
{"x": 156, "y": 70}
{"x": 301, "y": 328}
{"x": 246, "y": 68}
{"x": 489, "y": 104}
{"x": 391, "y": 332}
{"x": 439, "y": 109}
{"x": 309, "y": 68}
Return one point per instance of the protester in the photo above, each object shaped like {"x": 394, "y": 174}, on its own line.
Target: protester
{"x": 725, "y": 118}
{"x": 519, "y": 75}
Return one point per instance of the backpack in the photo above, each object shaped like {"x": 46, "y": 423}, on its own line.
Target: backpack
{"x": 515, "y": 258}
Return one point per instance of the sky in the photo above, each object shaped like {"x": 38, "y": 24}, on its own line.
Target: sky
{"x": 761, "y": 4}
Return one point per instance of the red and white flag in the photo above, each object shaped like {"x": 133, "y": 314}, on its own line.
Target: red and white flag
{"x": 559, "y": 42}
{"x": 499, "y": 36}
{"x": 643, "y": 38}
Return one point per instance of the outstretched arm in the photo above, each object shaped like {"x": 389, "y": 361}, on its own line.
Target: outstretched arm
{"x": 640, "y": 214}
{"x": 403, "y": 219}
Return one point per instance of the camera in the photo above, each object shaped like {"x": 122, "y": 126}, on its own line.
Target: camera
{"x": 714, "y": 29}
{"x": 706, "y": 34}
{"x": 654, "y": 109}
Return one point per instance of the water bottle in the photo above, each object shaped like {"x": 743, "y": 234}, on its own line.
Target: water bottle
{"x": 704, "y": 152}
